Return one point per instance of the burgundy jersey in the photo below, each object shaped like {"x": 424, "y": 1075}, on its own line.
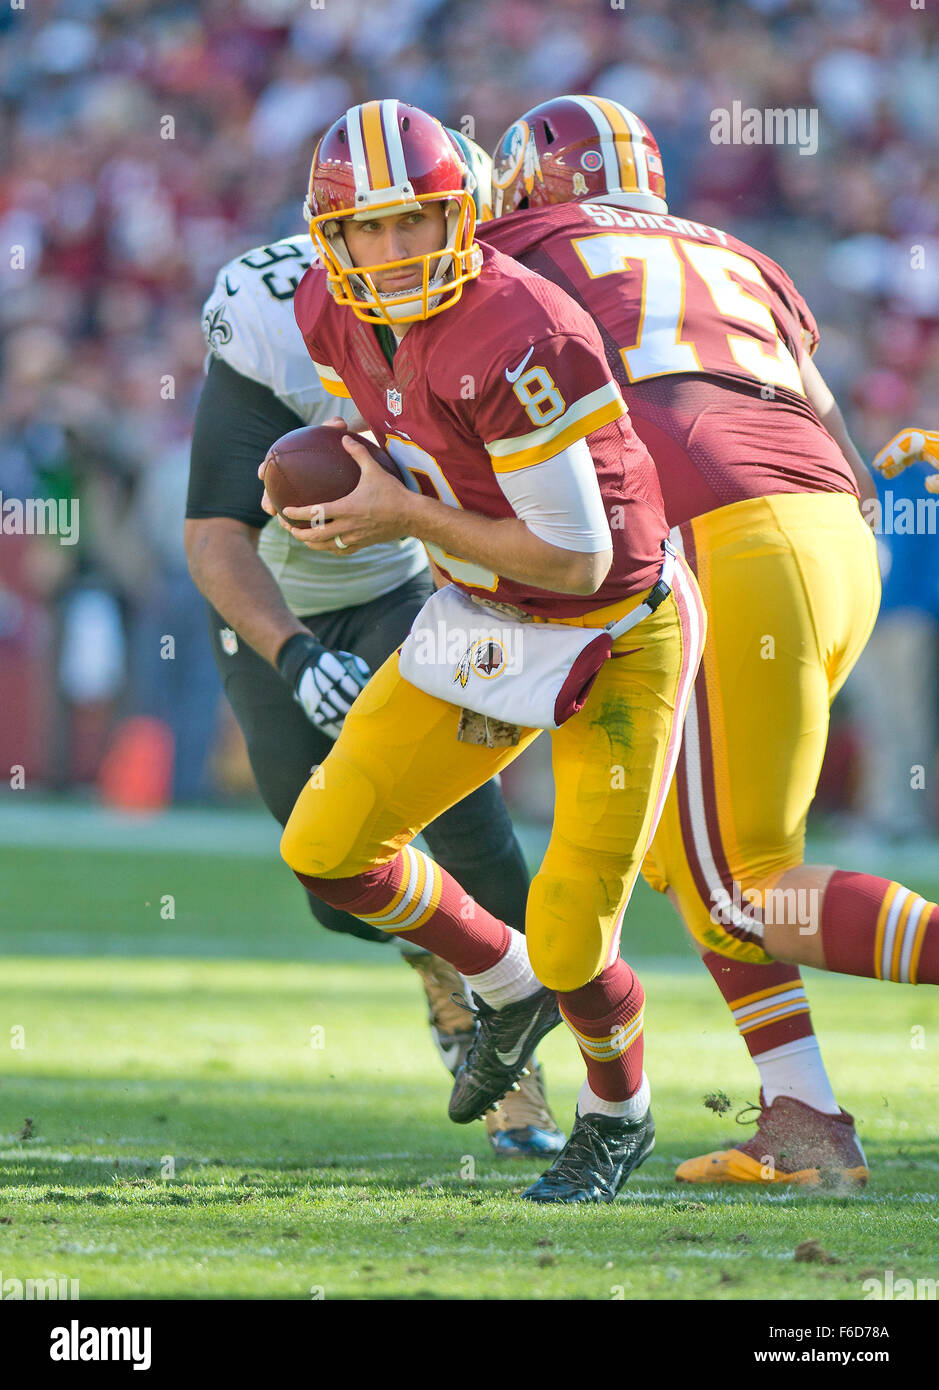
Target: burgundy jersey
{"x": 506, "y": 379}
{"x": 705, "y": 336}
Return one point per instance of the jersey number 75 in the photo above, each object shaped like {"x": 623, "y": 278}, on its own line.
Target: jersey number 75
{"x": 660, "y": 347}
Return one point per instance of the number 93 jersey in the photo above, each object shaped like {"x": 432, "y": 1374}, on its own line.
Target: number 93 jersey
{"x": 478, "y": 401}
{"x": 705, "y": 336}
{"x": 249, "y": 324}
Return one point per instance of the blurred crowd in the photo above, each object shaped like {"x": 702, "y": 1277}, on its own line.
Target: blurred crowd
{"x": 144, "y": 142}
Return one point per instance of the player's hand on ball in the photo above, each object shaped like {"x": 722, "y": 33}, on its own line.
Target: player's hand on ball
{"x": 372, "y": 513}
{"x": 324, "y": 683}
{"x": 907, "y": 447}
{"x": 334, "y": 422}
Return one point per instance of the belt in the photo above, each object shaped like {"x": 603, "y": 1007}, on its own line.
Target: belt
{"x": 657, "y": 595}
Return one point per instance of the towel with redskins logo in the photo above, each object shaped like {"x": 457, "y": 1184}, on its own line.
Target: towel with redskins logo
{"x": 532, "y": 674}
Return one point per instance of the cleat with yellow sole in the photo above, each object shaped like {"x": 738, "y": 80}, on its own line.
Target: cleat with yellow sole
{"x": 793, "y": 1144}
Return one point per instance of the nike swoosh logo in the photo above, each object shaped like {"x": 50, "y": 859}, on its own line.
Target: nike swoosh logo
{"x": 450, "y": 1052}
{"x": 514, "y": 376}
{"x": 231, "y": 292}
{"x": 511, "y": 1059}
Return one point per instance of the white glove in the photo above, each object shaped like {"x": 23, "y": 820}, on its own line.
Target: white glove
{"x": 327, "y": 689}
{"x": 325, "y": 683}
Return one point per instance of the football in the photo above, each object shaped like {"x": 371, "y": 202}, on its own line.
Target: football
{"x": 311, "y": 466}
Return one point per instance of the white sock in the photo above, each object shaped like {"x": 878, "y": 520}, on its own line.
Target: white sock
{"x": 796, "y": 1070}
{"x": 510, "y": 979}
{"x": 589, "y": 1103}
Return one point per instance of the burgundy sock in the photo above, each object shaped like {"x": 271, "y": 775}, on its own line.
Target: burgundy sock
{"x": 768, "y": 1002}
{"x": 413, "y": 897}
{"x": 877, "y": 928}
{"x": 605, "y": 1017}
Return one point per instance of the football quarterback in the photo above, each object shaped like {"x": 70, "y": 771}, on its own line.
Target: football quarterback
{"x": 295, "y": 634}
{"x": 490, "y": 389}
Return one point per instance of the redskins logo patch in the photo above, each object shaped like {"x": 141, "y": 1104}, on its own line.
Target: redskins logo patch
{"x": 486, "y": 657}
{"x": 512, "y": 152}
{"x": 531, "y": 165}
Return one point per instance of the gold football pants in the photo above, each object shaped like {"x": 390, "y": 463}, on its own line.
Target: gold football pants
{"x": 397, "y": 765}
{"x": 791, "y": 587}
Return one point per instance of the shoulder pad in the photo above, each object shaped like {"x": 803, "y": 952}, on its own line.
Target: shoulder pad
{"x": 248, "y": 322}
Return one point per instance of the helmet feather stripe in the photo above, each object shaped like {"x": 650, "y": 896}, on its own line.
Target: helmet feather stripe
{"x": 357, "y": 149}
{"x": 611, "y": 166}
{"x": 375, "y": 144}
{"x": 393, "y": 143}
{"x": 631, "y": 175}
{"x": 634, "y": 127}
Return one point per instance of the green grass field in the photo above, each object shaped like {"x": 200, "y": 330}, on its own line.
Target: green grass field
{"x": 235, "y": 1104}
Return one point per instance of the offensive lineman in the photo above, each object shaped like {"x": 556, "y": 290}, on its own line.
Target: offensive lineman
{"x": 711, "y": 344}
{"x": 295, "y": 635}
{"x": 490, "y": 389}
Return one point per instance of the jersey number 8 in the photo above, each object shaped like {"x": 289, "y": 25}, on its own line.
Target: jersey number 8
{"x": 537, "y": 392}
{"x": 418, "y": 466}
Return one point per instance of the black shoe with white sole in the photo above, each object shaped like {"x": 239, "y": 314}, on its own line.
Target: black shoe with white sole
{"x": 498, "y": 1057}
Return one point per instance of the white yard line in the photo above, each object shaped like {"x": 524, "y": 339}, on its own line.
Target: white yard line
{"x": 178, "y": 831}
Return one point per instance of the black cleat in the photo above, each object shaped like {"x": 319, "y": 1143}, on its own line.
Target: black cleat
{"x": 500, "y": 1052}
{"x": 597, "y": 1159}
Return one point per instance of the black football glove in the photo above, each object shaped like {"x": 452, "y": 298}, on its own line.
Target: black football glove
{"x": 324, "y": 683}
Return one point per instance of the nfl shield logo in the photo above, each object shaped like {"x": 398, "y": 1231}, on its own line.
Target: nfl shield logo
{"x": 393, "y": 400}
{"x": 229, "y": 640}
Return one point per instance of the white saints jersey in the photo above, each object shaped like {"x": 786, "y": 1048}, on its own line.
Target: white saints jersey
{"x": 248, "y": 322}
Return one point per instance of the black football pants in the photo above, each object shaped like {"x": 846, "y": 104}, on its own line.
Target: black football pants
{"x": 474, "y": 840}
